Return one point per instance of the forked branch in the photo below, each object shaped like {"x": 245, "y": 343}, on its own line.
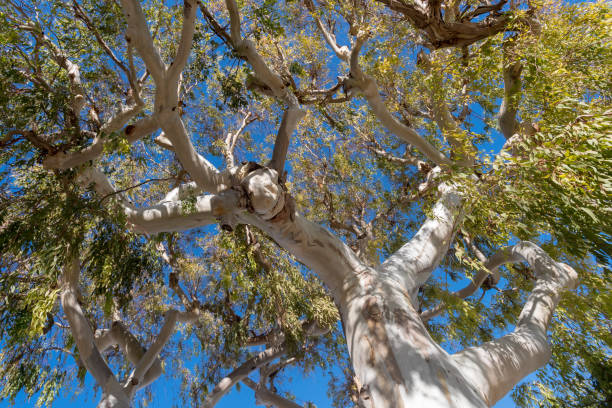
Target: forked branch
{"x": 497, "y": 366}
{"x": 242, "y": 372}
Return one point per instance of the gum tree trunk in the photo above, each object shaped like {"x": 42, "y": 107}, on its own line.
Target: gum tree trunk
{"x": 396, "y": 362}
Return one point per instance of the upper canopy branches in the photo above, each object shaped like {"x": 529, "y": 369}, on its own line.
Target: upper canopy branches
{"x": 449, "y": 24}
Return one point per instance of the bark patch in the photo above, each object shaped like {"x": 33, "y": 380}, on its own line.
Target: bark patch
{"x": 413, "y": 330}
{"x": 442, "y": 379}
{"x": 379, "y": 340}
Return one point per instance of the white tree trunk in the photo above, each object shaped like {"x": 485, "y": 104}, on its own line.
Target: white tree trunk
{"x": 396, "y": 362}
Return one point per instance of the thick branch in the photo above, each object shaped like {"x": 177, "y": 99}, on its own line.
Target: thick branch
{"x": 508, "y": 123}
{"x": 368, "y": 86}
{"x": 497, "y": 366}
{"x": 150, "y": 356}
{"x": 215, "y": 26}
{"x": 342, "y": 52}
{"x": 166, "y": 96}
{"x": 290, "y": 120}
{"x": 183, "y": 210}
{"x": 131, "y": 348}
{"x": 183, "y": 215}
{"x": 402, "y": 131}
{"x": 72, "y": 69}
{"x": 84, "y": 336}
{"x": 234, "y": 15}
{"x": 132, "y": 133}
{"x": 248, "y": 50}
{"x": 200, "y": 169}
{"x": 232, "y": 138}
{"x": 321, "y": 251}
{"x": 139, "y": 35}
{"x": 184, "y": 49}
{"x": 271, "y": 210}
{"x": 441, "y": 33}
{"x": 414, "y": 262}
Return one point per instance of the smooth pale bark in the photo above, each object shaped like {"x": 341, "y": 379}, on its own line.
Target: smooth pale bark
{"x": 497, "y": 366}
{"x": 180, "y": 210}
{"x": 166, "y": 95}
{"x": 184, "y": 49}
{"x": 512, "y": 89}
{"x": 341, "y": 52}
{"x": 113, "y": 393}
{"x": 396, "y": 362}
{"x": 200, "y": 169}
{"x": 290, "y": 120}
{"x": 171, "y": 216}
{"x": 414, "y": 262}
{"x": 232, "y": 137}
{"x": 150, "y": 357}
{"x": 314, "y": 246}
{"x": 72, "y": 69}
{"x": 263, "y": 72}
{"x": 407, "y": 134}
{"x": 138, "y": 34}
{"x": 368, "y": 86}
{"x": 167, "y": 105}
{"x": 119, "y": 335}
{"x": 394, "y": 357}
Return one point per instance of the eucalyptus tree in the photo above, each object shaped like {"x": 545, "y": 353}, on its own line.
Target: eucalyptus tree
{"x": 343, "y": 149}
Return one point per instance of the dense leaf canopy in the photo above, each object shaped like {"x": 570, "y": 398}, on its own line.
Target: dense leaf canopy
{"x": 346, "y": 169}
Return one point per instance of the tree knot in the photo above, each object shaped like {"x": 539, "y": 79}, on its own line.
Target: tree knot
{"x": 265, "y": 193}
{"x": 372, "y": 310}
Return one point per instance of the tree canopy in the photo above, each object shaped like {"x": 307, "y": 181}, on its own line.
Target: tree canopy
{"x": 128, "y": 131}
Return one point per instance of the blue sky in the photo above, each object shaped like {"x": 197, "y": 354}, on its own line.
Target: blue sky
{"x": 312, "y": 388}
